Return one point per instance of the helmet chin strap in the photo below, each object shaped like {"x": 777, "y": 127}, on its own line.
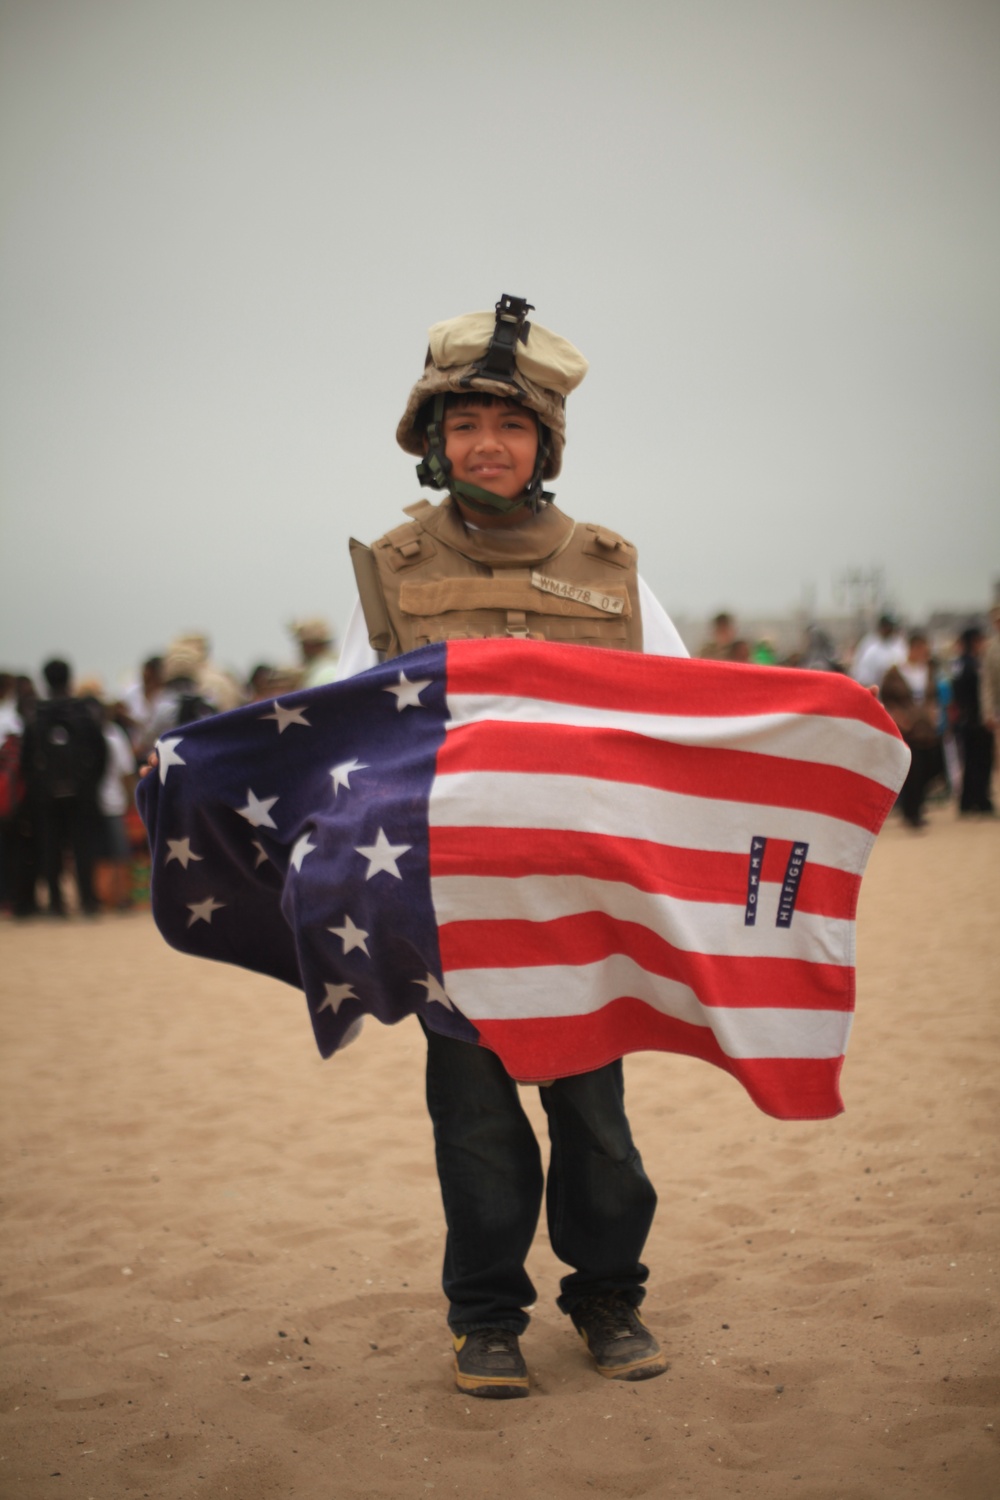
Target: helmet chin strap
{"x": 485, "y": 502}
{"x": 435, "y": 470}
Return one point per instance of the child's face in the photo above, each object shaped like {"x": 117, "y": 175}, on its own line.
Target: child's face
{"x": 493, "y": 447}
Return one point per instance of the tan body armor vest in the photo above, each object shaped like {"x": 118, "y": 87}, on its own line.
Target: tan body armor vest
{"x": 551, "y": 579}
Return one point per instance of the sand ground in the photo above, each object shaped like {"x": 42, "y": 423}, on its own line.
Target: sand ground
{"x": 220, "y": 1255}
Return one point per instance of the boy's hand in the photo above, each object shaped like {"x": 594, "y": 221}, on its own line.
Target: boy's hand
{"x": 151, "y": 764}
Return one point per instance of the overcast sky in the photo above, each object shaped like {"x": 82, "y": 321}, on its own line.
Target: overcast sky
{"x": 772, "y": 226}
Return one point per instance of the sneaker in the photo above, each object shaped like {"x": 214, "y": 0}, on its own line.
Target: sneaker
{"x": 488, "y": 1362}
{"x": 622, "y": 1346}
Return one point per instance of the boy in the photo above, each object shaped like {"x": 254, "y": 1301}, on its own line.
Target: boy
{"x": 496, "y": 558}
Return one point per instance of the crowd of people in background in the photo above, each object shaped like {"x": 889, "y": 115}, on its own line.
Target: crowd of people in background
{"x": 69, "y": 752}
{"x": 947, "y": 710}
{"x": 69, "y": 758}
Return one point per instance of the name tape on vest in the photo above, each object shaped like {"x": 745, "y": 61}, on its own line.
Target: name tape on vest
{"x": 608, "y": 603}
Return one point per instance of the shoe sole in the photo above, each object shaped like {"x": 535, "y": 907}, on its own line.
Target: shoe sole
{"x": 640, "y": 1369}
{"x": 492, "y": 1388}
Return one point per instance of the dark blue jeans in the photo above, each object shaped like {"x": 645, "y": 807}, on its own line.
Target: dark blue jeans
{"x": 599, "y": 1201}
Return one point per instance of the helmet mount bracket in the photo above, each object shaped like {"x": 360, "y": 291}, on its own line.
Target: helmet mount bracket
{"x": 511, "y": 327}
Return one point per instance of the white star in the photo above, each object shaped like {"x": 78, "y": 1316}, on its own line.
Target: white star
{"x": 340, "y": 774}
{"x": 301, "y": 849}
{"x": 335, "y": 995}
{"x": 407, "y": 692}
{"x": 201, "y": 911}
{"x": 382, "y": 855}
{"x": 258, "y": 812}
{"x": 351, "y": 936}
{"x": 180, "y": 849}
{"x": 285, "y": 716}
{"x": 168, "y": 756}
{"x": 435, "y": 991}
{"x": 262, "y": 854}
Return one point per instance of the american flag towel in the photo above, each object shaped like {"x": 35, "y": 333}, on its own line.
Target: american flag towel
{"x": 560, "y": 853}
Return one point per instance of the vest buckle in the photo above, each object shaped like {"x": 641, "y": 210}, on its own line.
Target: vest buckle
{"x": 517, "y": 624}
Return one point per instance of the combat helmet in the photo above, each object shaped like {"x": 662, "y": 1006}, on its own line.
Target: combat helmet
{"x": 504, "y": 355}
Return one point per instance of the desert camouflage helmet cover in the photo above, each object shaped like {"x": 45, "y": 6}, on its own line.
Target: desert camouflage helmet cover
{"x": 547, "y": 369}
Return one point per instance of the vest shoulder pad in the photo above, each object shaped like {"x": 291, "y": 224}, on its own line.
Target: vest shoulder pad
{"x": 601, "y": 542}
{"x": 404, "y": 546}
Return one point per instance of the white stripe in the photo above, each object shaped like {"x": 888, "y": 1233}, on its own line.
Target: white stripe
{"x": 709, "y": 927}
{"x": 509, "y": 799}
{"x": 819, "y": 738}
{"x": 525, "y": 994}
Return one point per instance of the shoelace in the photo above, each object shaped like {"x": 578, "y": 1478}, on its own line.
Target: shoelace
{"x": 499, "y": 1343}
{"x": 614, "y": 1320}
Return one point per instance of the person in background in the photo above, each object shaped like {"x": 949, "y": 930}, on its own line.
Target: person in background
{"x": 720, "y": 642}
{"x": 260, "y": 683}
{"x": 19, "y": 831}
{"x": 139, "y": 703}
{"x": 909, "y": 695}
{"x": 212, "y": 684}
{"x": 316, "y": 649}
{"x": 975, "y": 738}
{"x": 113, "y": 870}
{"x": 10, "y": 720}
{"x": 11, "y": 786}
{"x": 26, "y": 697}
{"x": 181, "y": 701}
{"x": 818, "y": 654}
{"x": 64, "y": 756}
{"x": 990, "y": 682}
{"x": 946, "y": 728}
{"x": 882, "y": 648}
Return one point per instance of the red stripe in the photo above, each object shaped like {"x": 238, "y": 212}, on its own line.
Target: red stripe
{"x": 691, "y": 770}
{"x": 789, "y": 1089}
{"x": 662, "y": 869}
{"x": 589, "y": 937}
{"x": 654, "y": 684}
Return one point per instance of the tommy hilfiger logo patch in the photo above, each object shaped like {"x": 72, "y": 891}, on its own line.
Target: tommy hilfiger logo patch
{"x": 789, "y": 886}
{"x": 757, "y": 847}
